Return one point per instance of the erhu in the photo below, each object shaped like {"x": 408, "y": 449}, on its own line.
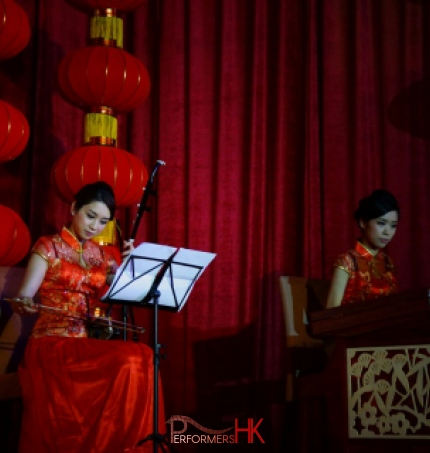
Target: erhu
{"x": 142, "y": 207}
{"x": 101, "y": 321}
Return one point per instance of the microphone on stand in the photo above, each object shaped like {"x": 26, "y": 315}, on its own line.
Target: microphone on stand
{"x": 147, "y": 191}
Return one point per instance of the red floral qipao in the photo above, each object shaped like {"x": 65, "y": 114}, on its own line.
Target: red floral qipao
{"x": 81, "y": 395}
{"x": 369, "y": 276}
{"x": 69, "y": 286}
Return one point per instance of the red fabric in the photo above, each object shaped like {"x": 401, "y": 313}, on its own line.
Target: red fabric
{"x": 86, "y": 396}
{"x": 15, "y": 237}
{"x": 274, "y": 119}
{"x": 68, "y": 286}
{"x": 14, "y": 132}
{"x": 369, "y": 276}
{"x": 100, "y": 163}
{"x": 103, "y": 76}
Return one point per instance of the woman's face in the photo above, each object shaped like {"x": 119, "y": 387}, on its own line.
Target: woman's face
{"x": 377, "y": 233}
{"x": 90, "y": 220}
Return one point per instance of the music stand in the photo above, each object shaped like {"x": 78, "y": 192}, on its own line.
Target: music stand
{"x": 161, "y": 277}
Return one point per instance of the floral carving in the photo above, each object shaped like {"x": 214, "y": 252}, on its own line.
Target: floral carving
{"x": 389, "y": 392}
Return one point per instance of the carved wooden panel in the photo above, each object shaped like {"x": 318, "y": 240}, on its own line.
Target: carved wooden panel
{"x": 389, "y": 392}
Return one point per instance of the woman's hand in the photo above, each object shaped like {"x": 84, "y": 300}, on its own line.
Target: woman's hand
{"x": 128, "y": 247}
{"x": 24, "y": 306}
{"x": 114, "y": 264}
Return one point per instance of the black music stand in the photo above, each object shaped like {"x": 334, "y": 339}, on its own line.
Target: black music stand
{"x": 149, "y": 267}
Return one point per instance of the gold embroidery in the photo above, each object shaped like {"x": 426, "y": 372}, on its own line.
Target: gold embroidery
{"x": 37, "y": 252}
{"x": 73, "y": 241}
{"x": 345, "y": 269}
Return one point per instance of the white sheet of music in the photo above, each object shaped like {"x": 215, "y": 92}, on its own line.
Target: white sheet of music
{"x": 135, "y": 277}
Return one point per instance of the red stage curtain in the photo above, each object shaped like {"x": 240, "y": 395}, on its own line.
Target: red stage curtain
{"x": 274, "y": 118}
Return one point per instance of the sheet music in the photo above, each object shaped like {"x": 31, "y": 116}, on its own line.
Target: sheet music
{"x": 135, "y": 277}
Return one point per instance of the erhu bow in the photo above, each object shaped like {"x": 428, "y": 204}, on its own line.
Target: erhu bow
{"x": 94, "y": 320}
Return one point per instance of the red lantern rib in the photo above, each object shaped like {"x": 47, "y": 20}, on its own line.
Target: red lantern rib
{"x": 98, "y": 75}
{"x": 91, "y": 5}
{"x": 16, "y": 239}
{"x": 122, "y": 170}
{"x": 14, "y": 30}
{"x": 14, "y": 132}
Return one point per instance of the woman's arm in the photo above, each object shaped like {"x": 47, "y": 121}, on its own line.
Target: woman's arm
{"x": 33, "y": 278}
{"x": 337, "y": 287}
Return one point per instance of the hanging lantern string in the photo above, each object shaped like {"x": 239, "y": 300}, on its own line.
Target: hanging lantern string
{"x": 98, "y": 320}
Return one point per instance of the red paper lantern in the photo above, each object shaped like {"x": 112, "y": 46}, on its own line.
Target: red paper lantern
{"x": 91, "y": 5}
{"x": 123, "y": 171}
{"x": 14, "y": 29}
{"x": 14, "y": 132}
{"x": 103, "y": 76}
{"x": 15, "y": 238}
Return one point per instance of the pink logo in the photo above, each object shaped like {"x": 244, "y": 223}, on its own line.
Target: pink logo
{"x": 210, "y": 436}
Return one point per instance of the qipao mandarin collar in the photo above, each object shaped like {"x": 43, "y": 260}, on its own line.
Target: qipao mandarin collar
{"x": 361, "y": 249}
{"x": 70, "y": 239}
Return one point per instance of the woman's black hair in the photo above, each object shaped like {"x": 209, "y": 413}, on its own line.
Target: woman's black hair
{"x": 377, "y": 204}
{"x": 97, "y": 191}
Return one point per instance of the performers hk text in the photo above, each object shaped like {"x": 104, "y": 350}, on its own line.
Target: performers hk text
{"x": 247, "y": 432}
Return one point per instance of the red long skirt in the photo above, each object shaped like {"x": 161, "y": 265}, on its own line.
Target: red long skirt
{"x": 84, "y": 395}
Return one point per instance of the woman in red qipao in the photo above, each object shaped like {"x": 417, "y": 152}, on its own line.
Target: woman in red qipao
{"x": 367, "y": 272}
{"x": 80, "y": 394}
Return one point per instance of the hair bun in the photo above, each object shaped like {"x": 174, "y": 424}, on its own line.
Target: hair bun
{"x": 377, "y": 204}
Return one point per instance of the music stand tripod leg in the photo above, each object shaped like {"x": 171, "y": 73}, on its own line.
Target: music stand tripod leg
{"x": 156, "y": 437}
